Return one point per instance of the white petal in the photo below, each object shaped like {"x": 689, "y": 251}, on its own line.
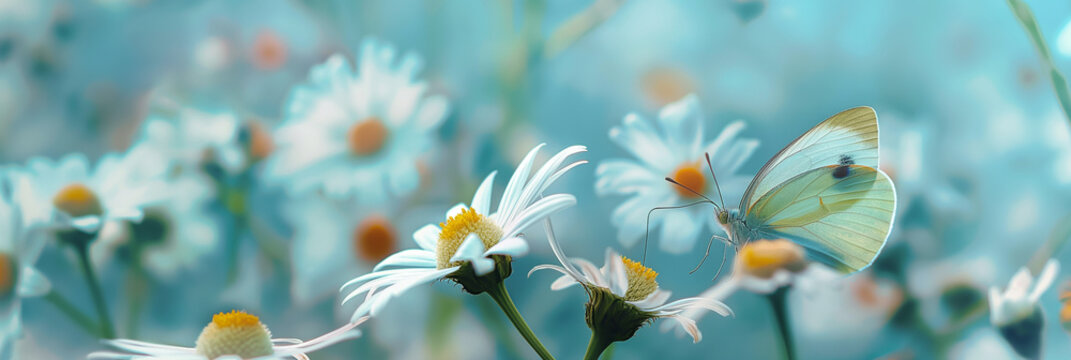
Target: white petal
{"x": 558, "y": 253}
{"x": 696, "y": 303}
{"x": 639, "y": 137}
{"x": 32, "y": 283}
{"x": 481, "y": 201}
{"x": 543, "y": 177}
{"x": 689, "y": 326}
{"x": 563, "y": 282}
{"x": 89, "y": 224}
{"x": 509, "y": 205}
{"x": 683, "y": 124}
{"x": 408, "y": 258}
{"x": 538, "y": 211}
{"x": 513, "y": 246}
{"x": 619, "y": 176}
{"x": 427, "y": 237}
{"x": 996, "y": 306}
{"x": 655, "y": 300}
{"x": 472, "y": 250}
{"x": 1044, "y": 281}
{"x": 616, "y": 273}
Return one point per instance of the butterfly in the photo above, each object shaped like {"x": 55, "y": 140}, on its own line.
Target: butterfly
{"x": 823, "y": 191}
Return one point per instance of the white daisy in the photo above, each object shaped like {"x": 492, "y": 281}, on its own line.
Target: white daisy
{"x": 235, "y": 336}
{"x": 675, "y": 149}
{"x": 331, "y": 240}
{"x": 19, "y": 249}
{"x": 173, "y": 235}
{"x": 358, "y": 131}
{"x": 470, "y": 235}
{"x": 765, "y": 266}
{"x": 626, "y": 282}
{"x": 74, "y": 196}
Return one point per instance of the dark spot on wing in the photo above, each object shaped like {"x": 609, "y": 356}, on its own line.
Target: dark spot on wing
{"x": 844, "y": 167}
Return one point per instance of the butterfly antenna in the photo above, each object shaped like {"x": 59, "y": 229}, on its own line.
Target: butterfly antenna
{"x": 694, "y": 192}
{"x": 716, "y": 186}
{"x": 647, "y": 235}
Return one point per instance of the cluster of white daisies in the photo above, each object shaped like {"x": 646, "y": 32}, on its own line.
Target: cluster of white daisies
{"x": 357, "y": 133}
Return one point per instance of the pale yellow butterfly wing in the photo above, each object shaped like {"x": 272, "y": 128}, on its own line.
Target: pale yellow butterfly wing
{"x": 842, "y": 217}
{"x": 852, "y": 133}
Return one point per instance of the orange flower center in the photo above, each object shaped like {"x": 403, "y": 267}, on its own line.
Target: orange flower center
{"x": 77, "y": 200}
{"x": 664, "y": 85}
{"x": 260, "y": 142}
{"x": 374, "y": 239}
{"x": 691, "y": 176}
{"x": 367, "y": 136}
{"x": 8, "y": 275}
{"x": 269, "y": 52}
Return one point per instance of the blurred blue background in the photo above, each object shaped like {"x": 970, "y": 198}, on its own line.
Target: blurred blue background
{"x": 972, "y": 134}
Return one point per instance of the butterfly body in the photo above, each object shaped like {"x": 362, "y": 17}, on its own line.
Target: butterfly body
{"x": 824, "y": 192}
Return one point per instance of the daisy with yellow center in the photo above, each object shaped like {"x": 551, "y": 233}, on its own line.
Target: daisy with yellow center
{"x": 671, "y": 146}
{"x": 82, "y": 198}
{"x": 358, "y": 130}
{"x": 623, "y": 296}
{"x": 474, "y": 246}
{"x": 231, "y": 335}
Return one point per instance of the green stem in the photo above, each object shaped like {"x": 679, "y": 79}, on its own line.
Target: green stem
{"x": 1059, "y": 82}
{"x": 596, "y": 346}
{"x": 777, "y": 303}
{"x": 137, "y": 290}
{"x": 107, "y": 330}
{"x": 72, "y": 312}
{"x": 501, "y": 296}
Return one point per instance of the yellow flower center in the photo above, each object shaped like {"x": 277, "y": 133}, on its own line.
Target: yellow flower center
{"x": 641, "y": 280}
{"x": 374, "y": 239}
{"x": 367, "y": 136}
{"x": 762, "y": 258}
{"x": 8, "y": 276}
{"x": 456, "y": 228}
{"x": 235, "y": 333}
{"x": 77, "y": 200}
{"x": 689, "y": 175}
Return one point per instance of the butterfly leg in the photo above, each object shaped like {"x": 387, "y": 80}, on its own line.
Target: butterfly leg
{"x": 707, "y": 253}
{"x": 722, "y": 263}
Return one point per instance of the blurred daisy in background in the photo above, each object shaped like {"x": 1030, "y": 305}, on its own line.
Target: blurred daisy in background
{"x": 624, "y": 295}
{"x": 233, "y": 335}
{"x": 765, "y": 266}
{"x": 332, "y": 240}
{"x": 174, "y": 233}
{"x": 75, "y": 196}
{"x": 472, "y": 238}
{"x": 190, "y": 138}
{"x": 674, "y": 149}
{"x": 358, "y": 131}
{"x": 1015, "y": 311}
{"x": 19, "y": 249}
